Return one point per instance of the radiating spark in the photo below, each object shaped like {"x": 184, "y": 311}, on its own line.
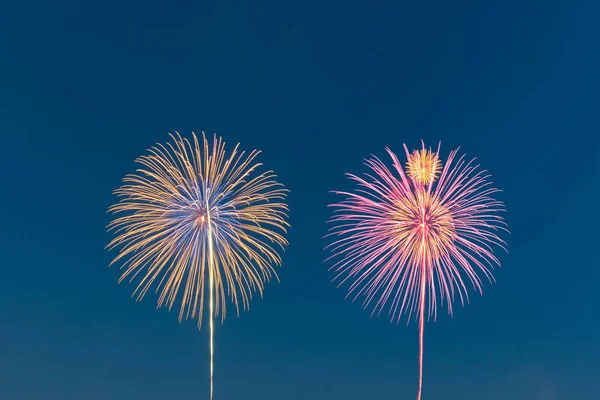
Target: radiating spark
{"x": 408, "y": 240}
{"x": 191, "y": 211}
{"x": 423, "y": 166}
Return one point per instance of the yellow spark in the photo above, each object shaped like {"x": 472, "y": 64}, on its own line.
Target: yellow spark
{"x": 423, "y": 166}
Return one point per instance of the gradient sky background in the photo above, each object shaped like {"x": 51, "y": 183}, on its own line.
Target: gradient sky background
{"x": 87, "y": 86}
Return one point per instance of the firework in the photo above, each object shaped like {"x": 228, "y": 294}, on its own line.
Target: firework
{"x": 192, "y": 212}
{"x": 410, "y": 238}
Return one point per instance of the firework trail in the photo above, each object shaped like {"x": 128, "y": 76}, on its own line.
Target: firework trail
{"x": 190, "y": 211}
{"x": 410, "y": 238}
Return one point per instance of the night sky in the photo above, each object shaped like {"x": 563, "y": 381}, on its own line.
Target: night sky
{"x": 88, "y": 86}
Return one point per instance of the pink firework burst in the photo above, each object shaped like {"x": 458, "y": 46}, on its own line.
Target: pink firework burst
{"x": 410, "y": 238}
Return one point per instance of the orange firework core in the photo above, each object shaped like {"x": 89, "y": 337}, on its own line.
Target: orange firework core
{"x": 425, "y": 225}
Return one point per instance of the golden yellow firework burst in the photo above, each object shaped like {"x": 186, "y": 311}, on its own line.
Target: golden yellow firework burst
{"x": 423, "y": 166}
{"x": 191, "y": 213}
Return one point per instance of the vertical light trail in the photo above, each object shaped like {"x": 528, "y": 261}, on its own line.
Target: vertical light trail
{"x": 422, "y": 306}
{"x": 211, "y": 290}
{"x": 421, "y": 331}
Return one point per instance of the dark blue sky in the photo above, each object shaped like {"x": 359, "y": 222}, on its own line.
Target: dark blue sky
{"x": 87, "y": 86}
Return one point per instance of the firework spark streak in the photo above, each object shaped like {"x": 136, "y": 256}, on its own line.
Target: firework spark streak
{"x": 410, "y": 238}
{"x": 190, "y": 211}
